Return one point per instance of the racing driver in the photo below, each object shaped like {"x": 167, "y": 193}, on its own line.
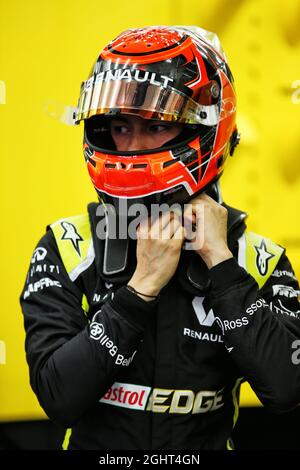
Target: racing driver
{"x": 142, "y": 342}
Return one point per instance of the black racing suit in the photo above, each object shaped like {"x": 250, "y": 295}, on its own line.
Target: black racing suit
{"x": 124, "y": 373}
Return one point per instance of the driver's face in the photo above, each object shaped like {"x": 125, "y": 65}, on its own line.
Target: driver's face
{"x": 132, "y": 133}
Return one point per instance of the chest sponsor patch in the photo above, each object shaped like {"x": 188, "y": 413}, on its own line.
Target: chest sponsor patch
{"x": 127, "y": 396}
{"x": 202, "y": 336}
{"x": 161, "y": 400}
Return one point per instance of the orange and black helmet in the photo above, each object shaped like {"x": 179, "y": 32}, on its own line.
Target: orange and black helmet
{"x": 168, "y": 73}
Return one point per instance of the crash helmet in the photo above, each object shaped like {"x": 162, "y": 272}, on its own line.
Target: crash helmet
{"x": 169, "y": 73}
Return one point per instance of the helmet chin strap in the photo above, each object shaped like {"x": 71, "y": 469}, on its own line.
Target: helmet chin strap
{"x": 116, "y": 250}
{"x": 214, "y": 191}
{"x": 117, "y": 262}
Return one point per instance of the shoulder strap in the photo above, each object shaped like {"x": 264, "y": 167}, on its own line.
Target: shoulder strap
{"x": 75, "y": 244}
{"x": 259, "y": 256}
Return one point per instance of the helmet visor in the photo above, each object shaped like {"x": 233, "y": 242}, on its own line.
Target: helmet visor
{"x": 148, "y": 95}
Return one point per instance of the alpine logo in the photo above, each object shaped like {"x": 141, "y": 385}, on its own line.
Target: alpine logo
{"x": 262, "y": 258}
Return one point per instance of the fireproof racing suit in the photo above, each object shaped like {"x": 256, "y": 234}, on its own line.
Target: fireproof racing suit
{"x": 123, "y": 373}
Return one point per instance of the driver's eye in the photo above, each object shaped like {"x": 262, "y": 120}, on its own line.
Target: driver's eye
{"x": 119, "y": 129}
{"x": 159, "y": 127}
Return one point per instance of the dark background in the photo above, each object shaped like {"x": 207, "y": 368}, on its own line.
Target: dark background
{"x": 256, "y": 429}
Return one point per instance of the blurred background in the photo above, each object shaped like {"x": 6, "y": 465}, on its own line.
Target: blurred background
{"x": 46, "y": 50}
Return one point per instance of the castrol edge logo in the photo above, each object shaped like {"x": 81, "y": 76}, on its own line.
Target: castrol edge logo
{"x": 127, "y": 396}
{"x": 160, "y": 400}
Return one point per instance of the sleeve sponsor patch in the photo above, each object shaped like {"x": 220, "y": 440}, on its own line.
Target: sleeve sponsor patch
{"x": 43, "y": 283}
{"x": 285, "y": 291}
